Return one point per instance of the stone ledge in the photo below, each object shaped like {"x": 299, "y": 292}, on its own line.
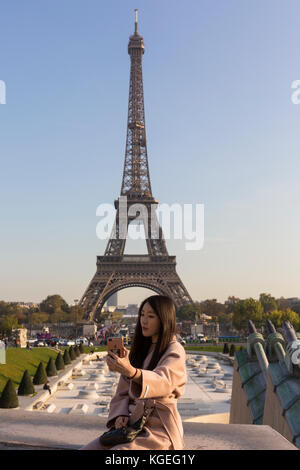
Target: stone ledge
{"x": 28, "y": 429}
{"x": 217, "y": 436}
{"x": 209, "y": 418}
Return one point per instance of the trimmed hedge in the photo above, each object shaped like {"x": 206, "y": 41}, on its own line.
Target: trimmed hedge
{"x": 72, "y": 353}
{"x": 51, "y": 369}
{"x": 26, "y": 386}
{"x": 59, "y": 362}
{"x": 232, "y": 350}
{"x": 66, "y": 357}
{"x": 9, "y": 398}
{"x": 40, "y": 376}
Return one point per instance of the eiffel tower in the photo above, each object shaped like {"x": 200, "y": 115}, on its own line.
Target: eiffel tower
{"x": 115, "y": 270}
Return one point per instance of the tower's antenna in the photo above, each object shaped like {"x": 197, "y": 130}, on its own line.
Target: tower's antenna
{"x": 136, "y": 21}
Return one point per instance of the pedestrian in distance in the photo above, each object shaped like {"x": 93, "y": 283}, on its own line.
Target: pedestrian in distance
{"x": 47, "y": 387}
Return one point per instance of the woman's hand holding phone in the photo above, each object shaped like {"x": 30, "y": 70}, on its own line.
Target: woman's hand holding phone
{"x": 120, "y": 364}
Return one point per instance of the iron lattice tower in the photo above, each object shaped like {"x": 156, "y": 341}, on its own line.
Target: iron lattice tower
{"x": 116, "y": 271}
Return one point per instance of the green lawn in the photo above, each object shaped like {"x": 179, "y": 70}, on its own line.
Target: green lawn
{"x": 204, "y": 348}
{"x": 19, "y": 359}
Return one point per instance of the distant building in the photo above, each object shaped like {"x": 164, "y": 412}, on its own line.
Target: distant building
{"x": 211, "y": 329}
{"x": 26, "y": 304}
{"x": 196, "y": 329}
{"x": 2, "y": 352}
{"x": 20, "y": 335}
{"x": 89, "y": 330}
{"x": 293, "y": 300}
{"x": 205, "y": 317}
{"x": 108, "y": 309}
{"x": 132, "y": 310}
{"x": 121, "y": 309}
{"x": 113, "y": 300}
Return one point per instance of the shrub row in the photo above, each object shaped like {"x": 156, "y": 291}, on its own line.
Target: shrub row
{"x": 232, "y": 349}
{"x": 9, "y": 398}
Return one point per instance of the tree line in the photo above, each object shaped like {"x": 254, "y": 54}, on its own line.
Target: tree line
{"x": 235, "y": 312}
{"x": 53, "y": 309}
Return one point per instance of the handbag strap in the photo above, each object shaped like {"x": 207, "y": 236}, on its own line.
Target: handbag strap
{"x": 149, "y": 405}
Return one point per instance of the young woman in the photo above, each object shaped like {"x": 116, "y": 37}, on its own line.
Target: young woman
{"x": 154, "y": 373}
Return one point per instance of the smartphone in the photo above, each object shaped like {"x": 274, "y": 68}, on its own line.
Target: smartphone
{"x": 115, "y": 345}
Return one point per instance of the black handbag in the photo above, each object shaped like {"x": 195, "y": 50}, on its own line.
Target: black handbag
{"x": 125, "y": 434}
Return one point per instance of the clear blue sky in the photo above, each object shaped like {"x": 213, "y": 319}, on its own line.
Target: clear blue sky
{"x": 221, "y": 131}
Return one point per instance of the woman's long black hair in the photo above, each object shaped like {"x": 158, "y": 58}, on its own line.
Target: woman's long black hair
{"x": 164, "y": 307}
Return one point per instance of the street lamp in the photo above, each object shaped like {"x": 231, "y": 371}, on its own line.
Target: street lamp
{"x": 76, "y": 313}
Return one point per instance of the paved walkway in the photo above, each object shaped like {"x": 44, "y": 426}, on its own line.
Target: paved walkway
{"x": 86, "y": 388}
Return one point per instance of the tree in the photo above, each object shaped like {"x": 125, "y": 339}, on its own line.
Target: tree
{"x": 9, "y": 398}
{"x": 9, "y": 323}
{"x": 268, "y": 302}
{"x": 3, "y": 307}
{"x": 277, "y": 317}
{"x": 20, "y": 316}
{"x": 59, "y": 362}
{"x": 76, "y": 313}
{"x": 51, "y": 369}
{"x": 39, "y": 318}
{"x": 58, "y": 316}
{"x": 225, "y": 321}
{"x": 26, "y": 386}
{"x": 54, "y": 303}
{"x": 66, "y": 357}
{"x": 283, "y": 303}
{"x": 188, "y": 312}
{"x": 288, "y": 315}
{"x": 72, "y": 353}
{"x": 230, "y": 303}
{"x": 296, "y": 308}
{"x": 212, "y": 307}
{"x": 40, "y": 376}
{"x": 244, "y": 310}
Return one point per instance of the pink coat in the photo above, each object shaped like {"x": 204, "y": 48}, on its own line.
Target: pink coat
{"x": 161, "y": 387}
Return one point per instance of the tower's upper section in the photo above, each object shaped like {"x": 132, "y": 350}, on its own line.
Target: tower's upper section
{"x": 136, "y": 42}
{"x": 136, "y": 179}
